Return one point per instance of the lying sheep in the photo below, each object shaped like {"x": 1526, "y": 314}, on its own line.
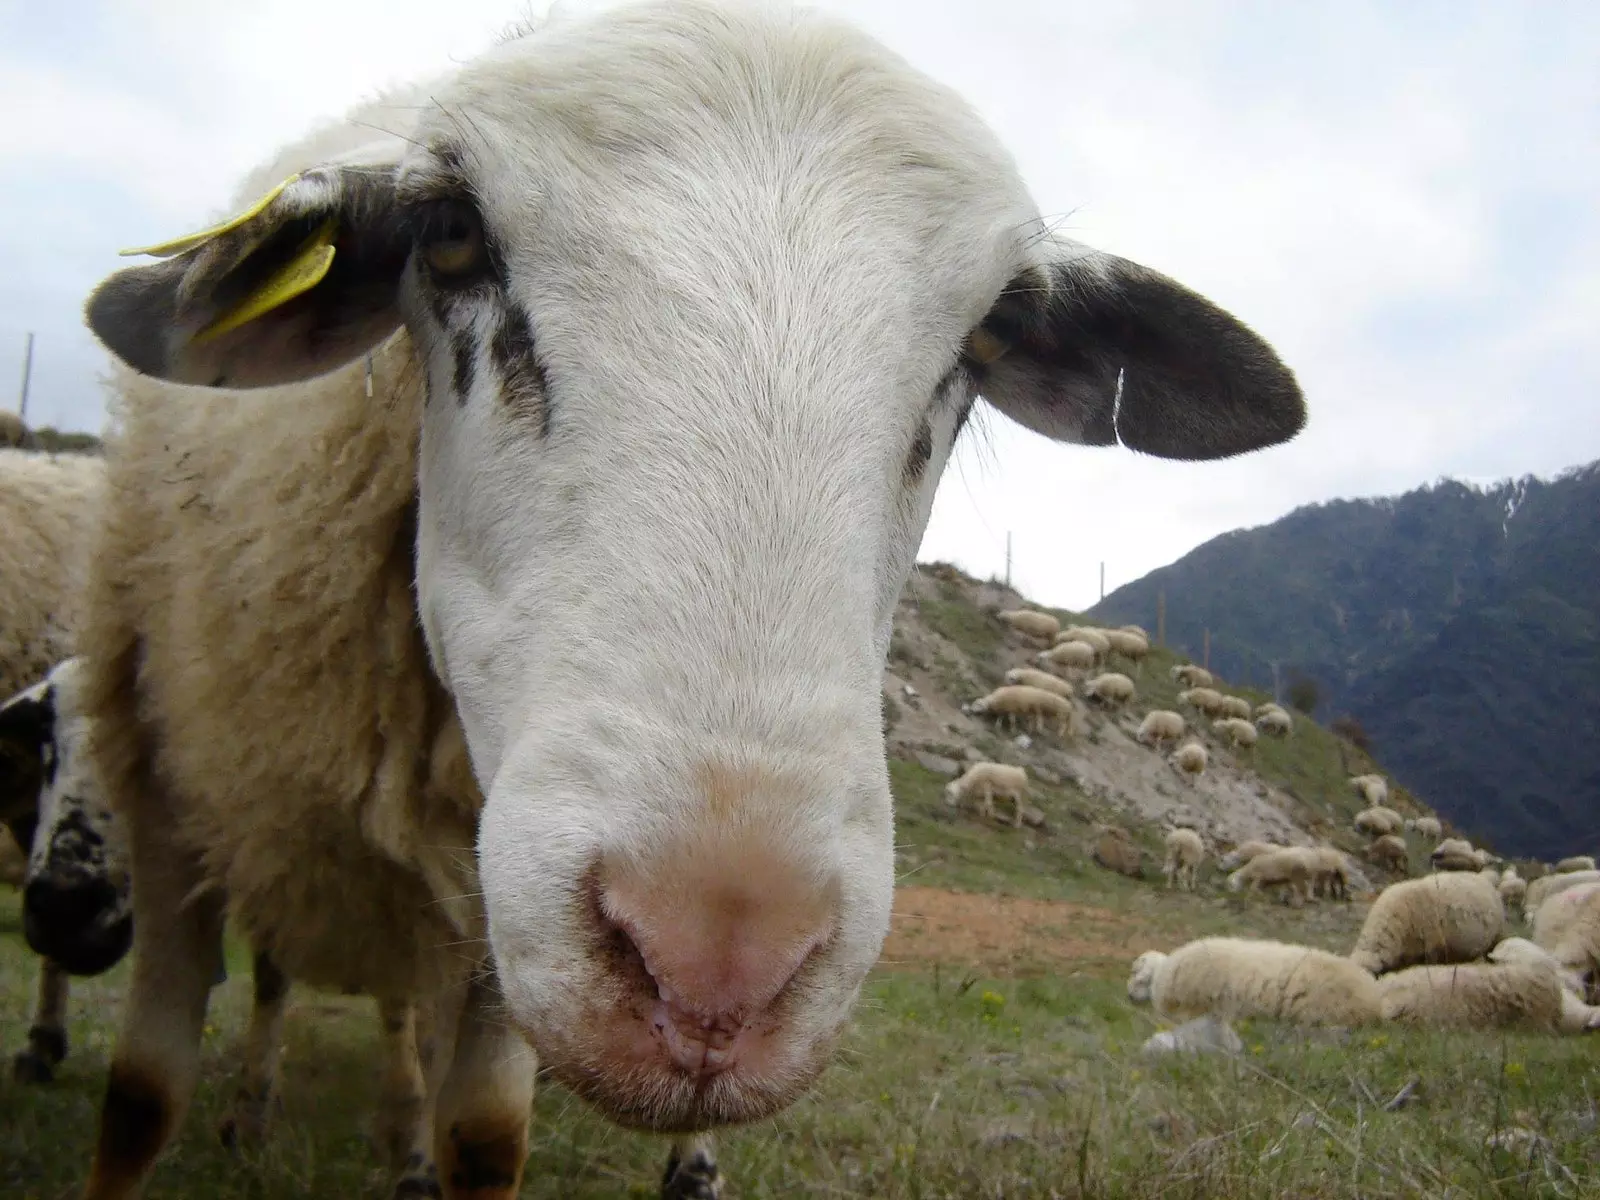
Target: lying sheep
{"x": 1185, "y": 852}
{"x": 1568, "y": 926}
{"x": 1068, "y": 656}
{"x": 1541, "y": 889}
{"x": 1028, "y": 677}
{"x": 1236, "y": 707}
{"x": 1192, "y": 676}
{"x": 1287, "y": 869}
{"x": 1578, "y": 862}
{"x": 1373, "y": 790}
{"x": 1036, "y": 705}
{"x": 1239, "y": 978}
{"x": 986, "y": 780}
{"x": 1190, "y": 760}
{"x": 1034, "y": 624}
{"x": 1512, "y": 887}
{"x": 1455, "y": 854}
{"x": 1160, "y": 725}
{"x": 1247, "y": 852}
{"x": 1435, "y": 919}
{"x": 1236, "y": 731}
{"x": 1390, "y": 851}
{"x": 1204, "y": 699}
{"x": 1111, "y": 690}
{"x": 1275, "y": 722}
{"x": 1427, "y": 827}
{"x": 1521, "y": 950}
{"x": 1485, "y": 996}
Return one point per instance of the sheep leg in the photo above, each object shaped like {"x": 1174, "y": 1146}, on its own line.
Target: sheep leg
{"x": 47, "y": 1036}
{"x": 692, "y": 1172}
{"x": 177, "y": 956}
{"x": 258, "y": 1083}
{"x": 404, "y": 1090}
{"x": 1016, "y": 817}
{"x": 481, "y": 1121}
{"x": 986, "y": 804}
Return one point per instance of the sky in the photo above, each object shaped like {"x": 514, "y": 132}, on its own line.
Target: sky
{"x": 1399, "y": 197}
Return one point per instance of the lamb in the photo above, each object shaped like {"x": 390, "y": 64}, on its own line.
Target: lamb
{"x": 1455, "y": 854}
{"x": 1160, "y": 725}
{"x": 1546, "y": 886}
{"x": 1236, "y": 707}
{"x": 1427, "y": 827}
{"x": 986, "y": 780}
{"x": 1072, "y": 656}
{"x": 1205, "y": 699}
{"x": 1578, "y": 862}
{"x": 1287, "y": 868}
{"x": 1034, "y": 624}
{"x": 353, "y": 633}
{"x": 1037, "y": 705}
{"x": 1236, "y": 731}
{"x": 1192, "y": 676}
{"x": 1190, "y": 759}
{"x": 1512, "y": 887}
{"x": 1568, "y": 926}
{"x": 1373, "y": 790}
{"x": 1247, "y": 852}
{"x": 1275, "y": 722}
{"x": 1239, "y": 978}
{"x": 1028, "y": 677}
{"x": 1485, "y": 996}
{"x": 1111, "y": 690}
{"x": 1390, "y": 851}
{"x": 1435, "y": 919}
{"x": 1185, "y": 853}
{"x": 1379, "y": 821}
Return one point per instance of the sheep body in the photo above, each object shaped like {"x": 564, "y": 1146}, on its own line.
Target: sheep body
{"x": 1455, "y": 854}
{"x": 1192, "y": 675}
{"x": 1237, "y": 978}
{"x": 1379, "y": 821}
{"x": 1028, "y": 677}
{"x": 1247, "y": 852}
{"x": 1275, "y": 722}
{"x": 1484, "y": 996}
{"x": 1577, "y": 862}
{"x": 1391, "y": 851}
{"x": 1111, "y": 689}
{"x": 1286, "y": 868}
{"x": 1190, "y": 758}
{"x": 1206, "y": 700}
{"x": 1034, "y": 624}
{"x": 1373, "y": 789}
{"x": 1237, "y": 731}
{"x": 1330, "y": 873}
{"x": 1521, "y": 950}
{"x": 1541, "y": 889}
{"x": 1185, "y": 852}
{"x": 986, "y": 780}
{"x": 1568, "y": 926}
{"x": 1160, "y": 725}
{"x": 1236, "y": 707}
{"x": 1073, "y": 655}
{"x": 1435, "y": 919}
{"x": 1131, "y": 646}
{"x": 1036, "y": 704}
{"x": 1513, "y": 888}
{"x": 1427, "y": 827}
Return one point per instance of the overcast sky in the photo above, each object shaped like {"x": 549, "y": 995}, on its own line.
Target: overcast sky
{"x": 1401, "y": 197}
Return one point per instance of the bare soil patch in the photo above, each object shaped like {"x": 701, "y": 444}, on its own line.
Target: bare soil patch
{"x": 1004, "y": 934}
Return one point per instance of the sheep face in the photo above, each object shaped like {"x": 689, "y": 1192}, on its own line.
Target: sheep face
{"x": 702, "y": 299}
{"x": 77, "y": 904}
{"x": 1142, "y": 976}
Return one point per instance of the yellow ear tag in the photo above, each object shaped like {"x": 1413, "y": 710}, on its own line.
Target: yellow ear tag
{"x": 190, "y": 241}
{"x": 300, "y": 274}
{"x": 984, "y": 346}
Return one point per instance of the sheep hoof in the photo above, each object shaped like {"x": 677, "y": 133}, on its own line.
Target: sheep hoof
{"x": 31, "y": 1067}
{"x": 692, "y": 1178}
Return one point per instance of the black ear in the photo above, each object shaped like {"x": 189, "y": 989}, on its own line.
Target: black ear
{"x": 1096, "y": 349}
{"x": 27, "y": 745}
{"x": 301, "y": 284}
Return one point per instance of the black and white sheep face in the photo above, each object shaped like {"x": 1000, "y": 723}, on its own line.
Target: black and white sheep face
{"x": 76, "y": 901}
{"x": 703, "y": 297}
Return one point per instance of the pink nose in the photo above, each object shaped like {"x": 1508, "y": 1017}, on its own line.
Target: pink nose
{"x": 721, "y": 936}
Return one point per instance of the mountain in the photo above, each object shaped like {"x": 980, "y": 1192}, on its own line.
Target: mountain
{"x": 1460, "y": 625}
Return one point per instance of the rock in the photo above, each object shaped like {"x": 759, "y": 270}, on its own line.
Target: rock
{"x": 1203, "y": 1035}
{"x": 910, "y": 691}
{"x": 1006, "y": 1130}
{"x": 1023, "y": 741}
{"x": 1115, "y": 851}
{"x": 937, "y": 763}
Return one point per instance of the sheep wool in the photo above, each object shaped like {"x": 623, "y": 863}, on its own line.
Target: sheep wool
{"x": 1185, "y": 852}
{"x": 1447, "y": 918}
{"x": 1541, "y": 889}
{"x": 1235, "y": 978}
{"x": 1028, "y": 677}
{"x": 1484, "y": 996}
{"x": 1568, "y": 926}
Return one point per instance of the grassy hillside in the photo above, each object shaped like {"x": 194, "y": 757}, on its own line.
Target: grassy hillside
{"x": 994, "y": 1053}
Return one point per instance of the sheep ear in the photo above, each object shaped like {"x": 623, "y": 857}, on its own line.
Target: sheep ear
{"x": 1096, "y": 349}
{"x": 27, "y": 733}
{"x": 302, "y": 282}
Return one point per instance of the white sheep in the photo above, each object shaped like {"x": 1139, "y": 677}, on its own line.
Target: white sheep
{"x": 1236, "y": 731}
{"x": 1111, "y": 690}
{"x": 1095, "y": 639}
{"x": 353, "y": 633}
{"x": 1390, "y": 851}
{"x": 1484, "y": 996}
{"x": 1520, "y": 949}
{"x": 1541, "y": 889}
{"x": 1275, "y": 722}
{"x": 1190, "y": 759}
{"x": 1068, "y": 656}
{"x": 1236, "y": 707}
{"x": 1246, "y": 852}
{"x": 1136, "y": 630}
{"x": 1287, "y": 868}
{"x": 1239, "y": 978}
{"x": 1330, "y": 872}
{"x": 1512, "y": 887}
{"x": 1373, "y": 790}
{"x": 1455, "y": 854}
{"x": 1028, "y": 677}
{"x": 1426, "y": 827}
{"x": 1131, "y": 646}
{"x": 1185, "y": 852}
{"x": 1038, "y": 706}
{"x": 1577, "y": 862}
{"x": 1192, "y": 676}
{"x": 1160, "y": 725}
{"x": 1032, "y": 623}
{"x": 986, "y": 780}
{"x": 1436, "y": 919}
{"x": 1379, "y": 821}
{"x": 1206, "y": 700}
{"x": 1568, "y": 926}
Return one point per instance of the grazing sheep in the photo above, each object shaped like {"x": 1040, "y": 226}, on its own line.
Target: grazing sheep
{"x": 1236, "y": 731}
{"x": 1578, "y": 862}
{"x": 1028, "y": 677}
{"x": 1435, "y": 919}
{"x": 1455, "y": 854}
{"x": 1287, "y": 869}
{"x": 1390, "y": 851}
{"x": 1512, "y": 887}
{"x": 1034, "y": 624}
{"x": 1568, "y": 926}
{"x": 1236, "y": 707}
{"x": 1136, "y": 630}
{"x": 1247, "y": 852}
{"x": 1192, "y": 676}
{"x": 1239, "y": 978}
{"x": 1160, "y": 725}
{"x": 1205, "y": 699}
{"x": 986, "y": 780}
{"x": 1485, "y": 996}
{"x": 1275, "y": 723}
{"x": 1427, "y": 827}
{"x": 1111, "y": 690}
{"x": 353, "y": 634}
{"x": 1190, "y": 759}
{"x": 1070, "y": 656}
{"x": 1089, "y": 636}
{"x": 1330, "y": 873}
{"x": 1185, "y": 852}
{"x": 1130, "y": 646}
{"x": 1546, "y": 886}
{"x": 1035, "y": 704}
{"x": 1379, "y": 821}
{"x": 1373, "y": 790}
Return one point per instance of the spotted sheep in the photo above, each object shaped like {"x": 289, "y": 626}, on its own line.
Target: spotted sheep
{"x": 664, "y": 319}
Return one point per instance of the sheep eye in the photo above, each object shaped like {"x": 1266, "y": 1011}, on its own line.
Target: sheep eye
{"x": 451, "y": 240}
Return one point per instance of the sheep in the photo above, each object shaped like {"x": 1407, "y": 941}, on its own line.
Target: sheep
{"x": 1246, "y": 852}
{"x": 1040, "y": 679}
{"x": 1568, "y": 926}
{"x": 1435, "y": 919}
{"x": 1578, "y": 862}
{"x": 1330, "y": 872}
{"x": 1035, "y": 704}
{"x": 1239, "y": 978}
{"x": 1546, "y": 886}
{"x": 1236, "y": 731}
{"x": 1072, "y": 656}
{"x": 1130, "y": 646}
{"x": 1390, "y": 851}
{"x": 1512, "y": 887}
{"x": 353, "y": 634}
{"x": 1160, "y": 725}
{"x": 1185, "y": 852}
{"x": 1519, "y": 949}
{"x": 1286, "y": 868}
{"x": 1484, "y": 996}
{"x": 1275, "y": 723}
{"x": 1031, "y": 623}
{"x": 986, "y": 780}
{"x": 1111, "y": 690}
{"x": 1192, "y": 676}
{"x": 1089, "y": 635}
{"x": 1379, "y": 821}
{"x": 1373, "y": 790}
{"x": 1190, "y": 759}
{"x": 1205, "y": 699}
{"x": 1455, "y": 854}
{"x": 1237, "y": 707}
{"x": 1427, "y": 827}
{"x": 1137, "y": 631}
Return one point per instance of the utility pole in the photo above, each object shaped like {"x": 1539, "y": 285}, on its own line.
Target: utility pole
{"x": 1161, "y": 617}
{"x": 1102, "y": 581}
{"x": 1008, "y": 558}
{"x": 1206, "y": 660}
{"x": 1277, "y": 694}
{"x": 27, "y": 377}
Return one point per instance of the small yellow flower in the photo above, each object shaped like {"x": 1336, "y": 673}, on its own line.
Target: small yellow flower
{"x": 1379, "y": 1042}
{"x": 992, "y": 999}
{"x": 1258, "y": 1048}
{"x": 883, "y": 1098}
{"x": 1516, "y": 1070}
